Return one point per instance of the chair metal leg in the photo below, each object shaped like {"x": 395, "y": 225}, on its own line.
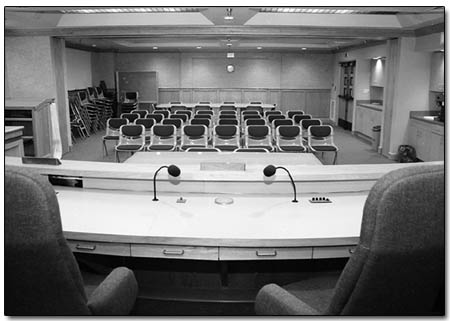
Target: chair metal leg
{"x": 117, "y": 157}
{"x": 335, "y": 158}
{"x": 104, "y": 146}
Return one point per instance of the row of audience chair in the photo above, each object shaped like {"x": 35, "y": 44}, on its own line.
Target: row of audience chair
{"x": 145, "y": 134}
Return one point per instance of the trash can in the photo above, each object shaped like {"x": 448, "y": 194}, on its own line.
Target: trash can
{"x": 376, "y": 131}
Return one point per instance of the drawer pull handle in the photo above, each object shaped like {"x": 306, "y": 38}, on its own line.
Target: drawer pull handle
{"x": 351, "y": 251}
{"x": 85, "y": 247}
{"x": 173, "y": 252}
{"x": 266, "y": 253}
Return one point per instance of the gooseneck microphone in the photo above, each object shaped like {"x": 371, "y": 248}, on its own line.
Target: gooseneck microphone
{"x": 270, "y": 170}
{"x": 173, "y": 170}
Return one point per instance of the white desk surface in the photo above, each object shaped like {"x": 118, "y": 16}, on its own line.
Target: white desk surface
{"x": 215, "y": 105}
{"x": 133, "y": 217}
{"x": 12, "y": 129}
{"x": 278, "y": 159}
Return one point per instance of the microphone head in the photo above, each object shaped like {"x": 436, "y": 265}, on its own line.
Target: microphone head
{"x": 174, "y": 170}
{"x": 269, "y": 170}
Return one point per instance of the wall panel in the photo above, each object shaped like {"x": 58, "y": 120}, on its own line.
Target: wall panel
{"x": 205, "y": 95}
{"x": 234, "y": 95}
{"x": 167, "y": 95}
{"x": 255, "y": 95}
{"x": 318, "y": 104}
{"x": 293, "y": 100}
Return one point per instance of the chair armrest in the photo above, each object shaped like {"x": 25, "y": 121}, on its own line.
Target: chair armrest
{"x": 274, "y": 300}
{"x": 116, "y": 294}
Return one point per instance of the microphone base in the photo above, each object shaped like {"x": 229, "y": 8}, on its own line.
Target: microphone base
{"x": 155, "y": 199}
{"x": 294, "y": 201}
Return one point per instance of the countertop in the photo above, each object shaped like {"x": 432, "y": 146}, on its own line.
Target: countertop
{"x": 371, "y": 105}
{"x": 423, "y": 115}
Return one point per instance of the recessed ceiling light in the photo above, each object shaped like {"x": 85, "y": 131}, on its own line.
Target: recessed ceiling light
{"x": 199, "y": 47}
{"x": 303, "y": 48}
{"x": 259, "y": 48}
{"x": 94, "y": 45}
{"x": 155, "y": 48}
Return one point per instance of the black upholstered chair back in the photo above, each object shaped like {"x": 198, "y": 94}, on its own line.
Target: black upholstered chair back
{"x": 177, "y": 122}
{"x": 142, "y": 113}
{"x": 157, "y": 117}
{"x": 166, "y": 113}
{"x": 115, "y": 123}
{"x": 131, "y": 117}
{"x": 279, "y": 122}
{"x": 201, "y": 121}
{"x": 298, "y": 118}
{"x": 228, "y": 121}
{"x": 41, "y": 274}
{"x": 146, "y": 122}
{"x": 289, "y": 131}
{"x": 398, "y": 267}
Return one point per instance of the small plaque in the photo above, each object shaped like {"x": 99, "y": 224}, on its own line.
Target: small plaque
{"x": 222, "y": 166}
{"x": 224, "y": 200}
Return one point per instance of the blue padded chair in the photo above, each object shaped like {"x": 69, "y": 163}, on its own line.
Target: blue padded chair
{"x": 42, "y": 277}
{"x": 398, "y": 267}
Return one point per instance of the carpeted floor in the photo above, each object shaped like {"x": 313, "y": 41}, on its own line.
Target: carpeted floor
{"x": 352, "y": 150}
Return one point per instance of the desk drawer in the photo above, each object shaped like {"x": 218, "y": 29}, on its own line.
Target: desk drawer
{"x": 175, "y": 252}
{"x": 324, "y": 252}
{"x": 262, "y": 253}
{"x": 120, "y": 249}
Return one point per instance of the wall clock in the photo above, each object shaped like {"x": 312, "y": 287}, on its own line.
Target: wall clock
{"x": 230, "y": 68}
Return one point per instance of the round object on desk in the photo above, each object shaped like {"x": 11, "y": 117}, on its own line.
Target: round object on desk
{"x": 224, "y": 200}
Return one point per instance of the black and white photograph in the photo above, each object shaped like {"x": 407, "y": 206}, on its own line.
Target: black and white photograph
{"x": 224, "y": 160}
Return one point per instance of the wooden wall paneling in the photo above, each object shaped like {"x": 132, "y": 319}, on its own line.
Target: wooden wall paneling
{"x": 274, "y": 97}
{"x": 230, "y": 95}
{"x": 186, "y": 95}
{"x": 293, "y": 100}
{"x": 318, "y": 103}
{"x": 205, "y": 95}
{"x": 255, "y": 95}
{"x": 168, "y": 94}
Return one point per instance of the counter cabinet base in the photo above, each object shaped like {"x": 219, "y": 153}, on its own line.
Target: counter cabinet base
{"x": 195, "y": 287}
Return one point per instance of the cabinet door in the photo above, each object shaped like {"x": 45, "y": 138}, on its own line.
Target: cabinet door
{"x": 419, "y": 138}
{"x": 358, "y": 119}
{"x": 437, "y": 72}
{"x": 437, "y": 143}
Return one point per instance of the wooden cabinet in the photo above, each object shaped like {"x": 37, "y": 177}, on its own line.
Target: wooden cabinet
{"x": 365, "y": 119}
{"x": 34, "y": 116}
{"x": 175, "y": 251}
{"x": 262, "y": 253}
{"x": 428, "y": 140}
{"x": 437, "y": 72}
{"x": 377, "y": 67}
{"x": 14, "y": 141}
{"x": 119, "y": 249}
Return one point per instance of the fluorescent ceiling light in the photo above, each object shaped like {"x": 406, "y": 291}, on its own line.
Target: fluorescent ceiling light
{"x": 131, "y": 10}
{"x": 230, "y": 54}
{"x": 155, "y": 48}
{"x": 308, "y": 10}
{"x": 199, "y": 47}
{"x": 259, "y": 48}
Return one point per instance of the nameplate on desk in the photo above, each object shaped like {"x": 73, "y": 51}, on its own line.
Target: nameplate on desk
{"x": 222, "y": 166}
{"x": 41, "y": 160}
